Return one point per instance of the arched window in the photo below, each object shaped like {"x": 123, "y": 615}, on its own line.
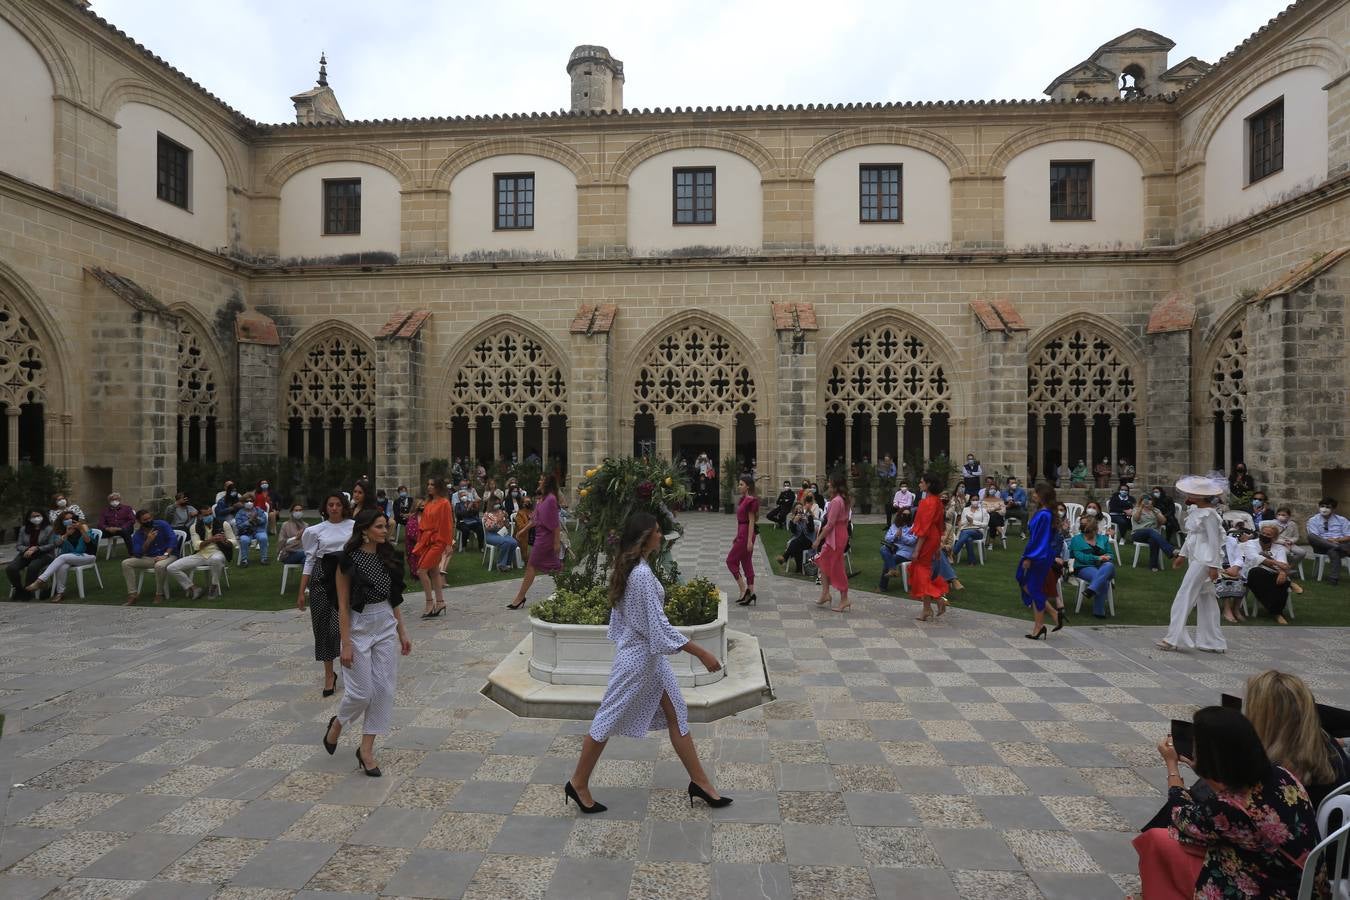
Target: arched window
{"x": 1228, "y": 399}
{"x": 23, "y": 388}
{"x": 509, "y": 400}
{"x": 1081, "y": 403}
{"x": 197, "y": 399}
{"x": 886, "y": 395}
{"x": 330, "y": 399}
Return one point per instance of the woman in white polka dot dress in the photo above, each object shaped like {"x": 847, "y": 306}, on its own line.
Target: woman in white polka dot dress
{"x": 642, "y": 695}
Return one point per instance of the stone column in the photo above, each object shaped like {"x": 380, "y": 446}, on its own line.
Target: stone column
{"x": 591, "y": 396}
{"x": 12, "y": 435}
{"x": 997, "y": 389}
{"x": 402, "y": 408}
{"x": 798, "y": 435}
{"x": 1165, "y": 390}
{"x": 258, "y": 398}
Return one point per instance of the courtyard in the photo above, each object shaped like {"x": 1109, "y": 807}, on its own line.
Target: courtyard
{"x": 175, "y": 753}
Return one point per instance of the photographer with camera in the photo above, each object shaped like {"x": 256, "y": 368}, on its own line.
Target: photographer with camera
{"x": 802, "y": 523}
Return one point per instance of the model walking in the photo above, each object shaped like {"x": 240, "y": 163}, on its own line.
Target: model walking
{"x": 1038, "y": 558}
{"x": 435, "y": 541}
{"x": 546, "y": 552}
{"x": 831, "y": 543}
{"x": 642, "y": 695}
{"x": 369, "y": 590}
{"x": 322, "y": 544}
{"x": 1203, "y": 552}
{"x": 930, "y": 521}
{"x": 741, "y": 557}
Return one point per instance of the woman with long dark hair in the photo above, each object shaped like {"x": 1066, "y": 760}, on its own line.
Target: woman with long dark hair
{"x": 435, "y": 542}
{"x": 546, "y": 551}
{"x": 1043, "y": 546}
{"x": 363, "y": 496}
{"x": 322, "y": 544}
{"x": 740, "y": 559}
{"x": 831, "y": 542}
{"x": 369, "y": 589}
{"x": 642, "y": 694}
{"x": 925, "y": 584}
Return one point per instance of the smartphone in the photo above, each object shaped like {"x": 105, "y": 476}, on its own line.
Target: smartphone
{"x": 1335, "y": 721}
{"x": 1183, "y": 738}
{"x": 1231, "y": 702}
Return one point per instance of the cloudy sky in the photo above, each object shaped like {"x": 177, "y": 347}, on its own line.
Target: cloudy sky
{"x": 395, "y": 58}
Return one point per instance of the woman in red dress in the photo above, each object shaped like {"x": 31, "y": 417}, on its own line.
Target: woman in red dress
{"x": 928, "y": 527}
{"x": 831, "y": 542}
{"x": 436, "y": 540}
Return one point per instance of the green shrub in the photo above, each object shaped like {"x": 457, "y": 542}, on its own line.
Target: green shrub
{"x": 864, "y": 482}
{"x": 731, "y": 473}
{"x": 689, "y": 604}
{"x": 30, "y": 487}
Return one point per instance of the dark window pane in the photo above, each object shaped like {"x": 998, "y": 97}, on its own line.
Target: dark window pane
{"x": 1070, "y": 191}
{"x": 342, "y": 206}
{"x": 171, "y": 172}
{"x": 1266, "y": 141}
{"x": 694, "y": 197}
{"x": 879, "y": 190}
{"x": 515, "y": 201}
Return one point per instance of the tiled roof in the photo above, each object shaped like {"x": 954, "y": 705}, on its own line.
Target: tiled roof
{"x": 128, "y": 290}
{"x": 404, "y": 324}
{"x": 1300, "y": 275}
{"x": 592, "y": 318}
{"x": 1175, "y": 312}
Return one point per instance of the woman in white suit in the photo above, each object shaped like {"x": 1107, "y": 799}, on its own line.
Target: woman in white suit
{"x": 1203, "y": 552}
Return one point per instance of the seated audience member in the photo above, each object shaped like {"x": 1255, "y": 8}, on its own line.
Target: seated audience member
{"x": 1014, "y": 501}
{"x": 1231, "y": 586}
{"x": 818, "y": 496}
{"x": 263, "y": 500}
{"x": 886, "y": 468}
{"x": 181, "y": 513}
{"x": 1266, "y": 569}
{"x": 250, "y": 526}
{"x": 498, "y": 534}
{"x": 1261, "y": 511}
{"x": 1146, "y": 527}
{"x": 992, "y": 501}
{"x": 1094, "y": 509}
{"x": 897, "y": 546}
{"x": 403, "y": 504}
{"x": 802, "y": 524}
{"x": 152, "y": 546}
{"x": 59, "y": 505}
{"x": 228, "y": 502}
{"x": 1329, "y": 534}
{"x": 904, "y": 498}
{"x": 971, "y": 528}
{"x": 522, "y": 524}
{"x": 1241, "y": 481}
{"x": 1288, "y": 536}
{"x": 491, "y": 492}
{"x": 1163, "y": 503}
{"x": 1120, "y": 507}
{"x": 1253, "y": 826}
{"x": 1078, "y": 476}
{"x": 1091, "y": 554}
{"x": 117, "y": 520}
{"x": 467, "y": 518}
{"x": 1282, "y": 710}
{"x": 210, "y": 545}
{"x": 786, "y": 499}
{"x": 1125, "y": 471}
{"x": 1063, "y": 530}
{"x": 34, "y": 549}
{"x": 384, "y": 504}
{"x": 292, "y": 530}
{"x": 1101, "y": 473}
{"x": 75, "y": 548}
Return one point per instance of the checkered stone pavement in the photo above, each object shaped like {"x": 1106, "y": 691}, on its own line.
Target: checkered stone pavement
{"x": 175, "y": 753}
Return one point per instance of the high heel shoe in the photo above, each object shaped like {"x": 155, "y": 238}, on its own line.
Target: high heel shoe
{"x": 372, "y": 772}
{"x": 331, "y": 748}
{"x": 330, "y": 691}
{"x": 700, "y": 793}
{"x": 1038, "y": 636}
{"x": 570, "y": 793}
{"x": 1061, "y": 621}
{"x": 747, "y": 599}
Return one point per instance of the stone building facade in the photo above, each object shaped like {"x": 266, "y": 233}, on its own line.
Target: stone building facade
{"x": 1148, "y": 266}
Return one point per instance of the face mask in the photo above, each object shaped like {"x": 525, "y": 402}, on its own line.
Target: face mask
{"x": 297, "y": 514}
{"x": 264, "y": 486}
{"x": 67, "y": 523}
{"x": 208, "y": 519}
{"x": 147, "y": 525}
{"x": 402, "y": 495}
{"x": 35, "y": 520}
{"x": 1324, "y": 510}
{"x": 248, "y": 506}
{"x": 116, "y": 503}
{"x": 61, "y": 504}
{"x": 1157, "y": 494}
{"x": 1124, "y": 494}
{"x": 1257, "y": 504}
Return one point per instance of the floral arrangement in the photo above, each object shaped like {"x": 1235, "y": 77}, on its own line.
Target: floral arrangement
{"x": 693, "y": 603}
{"x": 606, "y": 497}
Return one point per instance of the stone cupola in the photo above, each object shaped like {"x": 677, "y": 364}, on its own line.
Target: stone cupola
{"x": 597, "y": 79}
{"x": 318, "y": 105}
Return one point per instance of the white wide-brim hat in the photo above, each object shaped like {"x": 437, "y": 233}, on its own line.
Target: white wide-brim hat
{"x": 1200, "y": 486}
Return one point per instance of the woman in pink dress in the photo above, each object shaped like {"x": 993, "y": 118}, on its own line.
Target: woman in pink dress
{"x": 831, "y": 543}
{"x": 743, "y": 547}
{"x": 546, "y": 552}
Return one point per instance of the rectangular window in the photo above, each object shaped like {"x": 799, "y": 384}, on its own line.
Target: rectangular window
{"x": 515, "y": 201}
{"x": 171, "y": 172}
{"x": 695, "y": 201}
{"x": 1070, "y": 191}
{"x": 342, "y": 206}
{"x": 1265, "y": 142}
{"x": 879, "y": 193}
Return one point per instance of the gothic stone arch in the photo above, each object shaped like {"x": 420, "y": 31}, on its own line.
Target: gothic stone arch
{"x": 329, "y": 388}
{"x": 1222, "y": 381}
{"x": 198, "y": 394}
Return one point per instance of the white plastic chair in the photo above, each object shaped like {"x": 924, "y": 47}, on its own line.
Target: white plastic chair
{"x": 490, "y": 557}
{"x": 108, "y": 544}
{"x": 79, "y": 571}
{"x": 1074, "y": 512}
{"x": 904, "y": 574}
{"x": 286, "y": 571}
{"x": 1323, "y": 560}
{"x": 1333, "y": 850}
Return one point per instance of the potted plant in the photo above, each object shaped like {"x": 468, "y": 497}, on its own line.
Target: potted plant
{"x": 864, "y": 482}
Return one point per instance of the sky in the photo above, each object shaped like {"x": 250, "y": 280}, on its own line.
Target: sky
{"x": 407, "y": 58}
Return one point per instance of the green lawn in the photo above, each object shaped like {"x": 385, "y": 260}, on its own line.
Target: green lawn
{"x": 256, "y": 587}
{"x": 1142, "y": 597}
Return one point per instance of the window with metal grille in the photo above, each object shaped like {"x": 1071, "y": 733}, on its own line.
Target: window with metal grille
{"x": 342, "y": 206}
{"x": 1070, "y": 191}
{"x": 515, "y": 201}
{"x": 695, "y": 201}
{"x": 171, "y": 172}
{"x": 1265, "y": 142}
{"x": 879, "y": 193}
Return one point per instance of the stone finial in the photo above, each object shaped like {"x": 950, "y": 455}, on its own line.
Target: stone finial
{"x": 318, "y": 105}
{"x": 323, "y": 69}
{"x": 597, "y": 79}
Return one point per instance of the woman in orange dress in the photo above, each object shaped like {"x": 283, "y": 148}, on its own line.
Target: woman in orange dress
{"x": 831, "y": 542}
{"x": 929, "y": 523}
{"x": 437, "y": 540}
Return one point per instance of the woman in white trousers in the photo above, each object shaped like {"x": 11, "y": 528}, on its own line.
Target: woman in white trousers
{"x": 1203, "y": 552}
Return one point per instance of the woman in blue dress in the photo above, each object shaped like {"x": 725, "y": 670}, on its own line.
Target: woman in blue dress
{"x": 1038, "y": 559}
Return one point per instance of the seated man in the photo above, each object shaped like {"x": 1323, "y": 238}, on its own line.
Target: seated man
{"x": 152, "y": 546}
{"x": 1288, "y": 537}
{"x": 210, "y": 545}
{"x": 467, "y": 520}
{"x": 1092, "y": 563}
{"x": 1266, "y": 569}
{"x": 1121, "y": 507}
{"x": 897, "y": 546}
{"x": 1147, "y": 524}
{"x": 116, "y": 520}
{"x": 886, "y": 468}
{"x": 904, "y": 497}
{"x": 786, "y": 499}
{"x": 229, "y": 502}
{"x": 1015, "y": 501}
{"x": 181, "y": 514}
{"x": 498, "y": 534}
{"x": 250, "y": 524}
{"x": 1329, "y": 534}
{"x": 971, "y": 528}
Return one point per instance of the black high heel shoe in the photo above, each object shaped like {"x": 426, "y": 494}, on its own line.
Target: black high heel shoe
{"x": 700, "y": 793}
{"x": 570, "y": 793}
{"x": 373, "y": 772}
{"x": 331, "y": 748}
{"x": 747, "y": 599}
{"x": 1038, "y": 636}
{"x": 1062, "y": 619}
{"x": 330, "y": 691}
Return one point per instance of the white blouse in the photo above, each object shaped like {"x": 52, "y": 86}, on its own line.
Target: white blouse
{"x": 320, "y": 540}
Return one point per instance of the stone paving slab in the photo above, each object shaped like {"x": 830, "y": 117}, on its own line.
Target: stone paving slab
{"x": 175, "y": 753}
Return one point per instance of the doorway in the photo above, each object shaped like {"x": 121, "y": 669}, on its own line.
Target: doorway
{"x": 687, "y": 442}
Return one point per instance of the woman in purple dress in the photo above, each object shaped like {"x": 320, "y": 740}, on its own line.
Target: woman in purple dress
{"x": 546, "y": 552}
{"x": 643, "y": 694}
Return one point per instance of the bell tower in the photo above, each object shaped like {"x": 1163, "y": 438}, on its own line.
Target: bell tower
{"x": 318, "y": 105}
{"x": 597, "y": 79}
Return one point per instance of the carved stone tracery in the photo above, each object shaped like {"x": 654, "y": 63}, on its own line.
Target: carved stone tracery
{"x": 887, "y": 371}
{"x": 1227, "y": 381}
{"x": 333, "y": 380}
{"x": 1080, "y": 372}
{"x": 197, "y": 395}
{"x": 694, "y": 372}
{"x": 509, "y": 373}
{"x": 23, "y": 372}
